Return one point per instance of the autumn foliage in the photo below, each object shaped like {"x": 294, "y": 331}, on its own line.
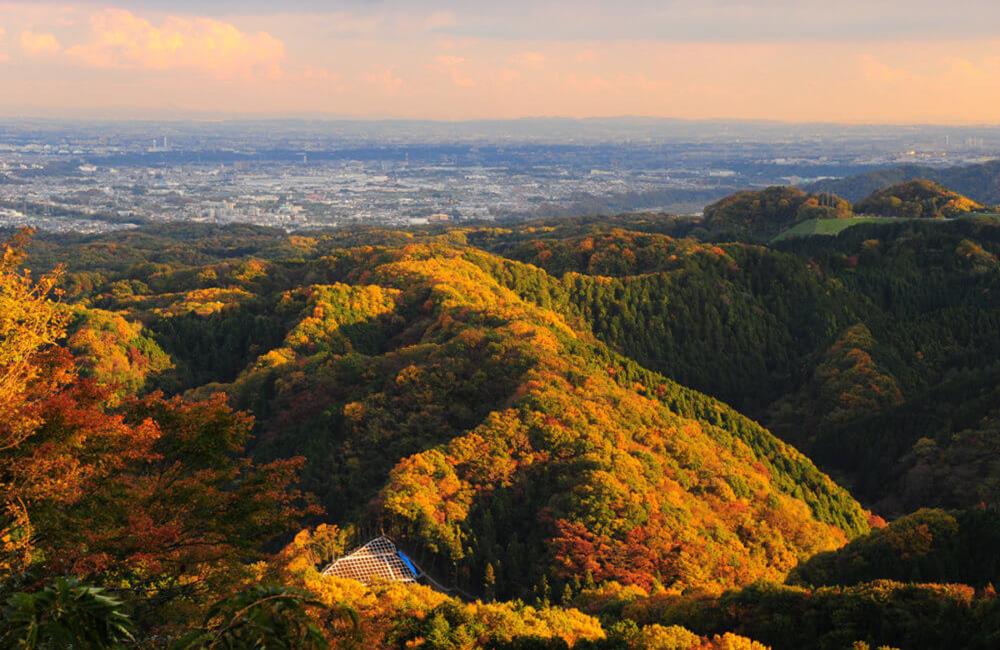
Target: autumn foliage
{"x": 533, "y": 413}
{"x": 154, "y": 496}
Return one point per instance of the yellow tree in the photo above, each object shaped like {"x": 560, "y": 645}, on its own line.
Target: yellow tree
{"x": 30, "y": 324}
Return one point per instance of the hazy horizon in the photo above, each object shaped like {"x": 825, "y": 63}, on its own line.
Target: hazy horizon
{"x": 125, "y": 116}
{"x": 882, "y": 63}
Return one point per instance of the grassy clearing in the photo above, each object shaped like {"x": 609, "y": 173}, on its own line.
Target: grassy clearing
{"x": 828, "y": 227}
{"x": 831, "y": 227}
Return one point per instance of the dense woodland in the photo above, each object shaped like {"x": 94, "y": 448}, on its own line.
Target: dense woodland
{"x": 614, "y": 433}
{"x": 918, "y": 199}
{"x": 765, "y": 213}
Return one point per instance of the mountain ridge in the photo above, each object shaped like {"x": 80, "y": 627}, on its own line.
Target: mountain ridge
{"x": 979, "y": 181}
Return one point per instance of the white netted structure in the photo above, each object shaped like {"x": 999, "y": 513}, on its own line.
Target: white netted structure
{"x": 377, "y": 561}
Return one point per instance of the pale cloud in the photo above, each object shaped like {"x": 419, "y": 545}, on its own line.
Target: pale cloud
{"x": 313, "y": 73}
{"x": 455, "y": 68}
{"x": 460, "y": 44}
{"x": 121, "y": 39}
{"x": 39, "y": 43}
{"x": 587, "y": 84}
{"x": 369, "y": 23}
{"x": 343, "y": 24}
{"x": 508, "y": 75}
{"x": 527, "y": 59}
{"x": 634, "y": 84}
{"x": 4, "y": 57}
{"x": 964, "y": 70}
{"x": 385, "y": 80}
{"x": 438, "y": 20}
{"x": 881, "y": 72}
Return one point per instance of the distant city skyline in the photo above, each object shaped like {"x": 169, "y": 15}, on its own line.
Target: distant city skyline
{"x": 881, "y": 62}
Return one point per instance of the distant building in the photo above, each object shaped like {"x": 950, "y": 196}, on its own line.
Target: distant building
{"x": 439, "y": 217}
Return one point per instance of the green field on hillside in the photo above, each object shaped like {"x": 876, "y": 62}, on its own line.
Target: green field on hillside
{"x": 828, "y": 227}
{"x": 831, "y": 227}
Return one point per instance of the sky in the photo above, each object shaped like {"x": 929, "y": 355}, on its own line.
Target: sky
{"x": 852, "y": 61}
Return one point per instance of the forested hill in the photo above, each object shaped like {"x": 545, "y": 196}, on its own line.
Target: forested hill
{"x": 403, "y": 365}
{"x": 554, "y": 412}
{"x": 870, "y": 342}
{"x": 762, "y": 214}
{"x": 980, "y": 182}
{"x": 788, "y": 335}
{"x": 918, "y": 199}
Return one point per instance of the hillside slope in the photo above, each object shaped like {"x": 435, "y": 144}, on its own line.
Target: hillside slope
{"x": 490, "y": 434}
{"x": 798, "y": 335}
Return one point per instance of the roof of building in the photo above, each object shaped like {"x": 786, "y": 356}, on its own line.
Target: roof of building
{"x": 377, "y": 561}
